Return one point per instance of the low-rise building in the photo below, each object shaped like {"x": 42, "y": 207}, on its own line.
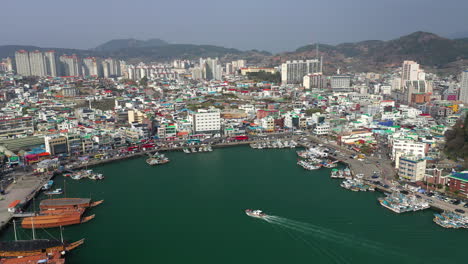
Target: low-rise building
{"x": 458, "y": 183}
{"x": 411, "y": 168}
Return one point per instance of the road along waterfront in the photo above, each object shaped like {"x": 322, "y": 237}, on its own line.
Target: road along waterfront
{"x": 192, "y": 210}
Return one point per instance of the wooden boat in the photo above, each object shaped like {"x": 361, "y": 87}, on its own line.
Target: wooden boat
{"x": 62, "y": 211}
{"x": 49, "y": 221}
{"x": 25, "y": 248}
{"x": 54, "y": 258}
{"x": 65, "y": 203}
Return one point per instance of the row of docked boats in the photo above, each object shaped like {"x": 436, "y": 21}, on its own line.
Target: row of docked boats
{"x": 157, "y": 159}
{"x": 277, "y": 144}
{"x": 356, "y": 185}
{"x": 84, "y": 174}
{"x": 315, "y": 158}
{"x": 53, "y": 213}
{"x": 60, "y": 212}
{"x": 341, "y": 173}
{"x": 401, "y": 203}
{"x": 451, "y": 220}
{"x": 313, "y": 152}
{"x": 204, "y": 148}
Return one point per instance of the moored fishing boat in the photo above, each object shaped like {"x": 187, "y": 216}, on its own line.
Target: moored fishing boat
{"x": 48, "y": 185}
{"x": 55, "y": 192}
{"x": 157, "y": 159}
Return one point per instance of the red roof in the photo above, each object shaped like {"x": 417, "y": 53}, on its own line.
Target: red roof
{"x": 14, "y": 203}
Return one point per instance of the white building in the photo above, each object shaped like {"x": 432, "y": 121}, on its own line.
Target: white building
{"x": 111, "y": 67}
{"x": 51, "y": 63}
{"x": 70, "y": 65}
{"x": 411, "y": 168}
{"x": 464, "y": 87}
{"x": 408, "y": 147}
{"x": 268, "y": 123}
{"x": 341, "y": 83}
{"x": 322, "y": 129}
{"x": 22, "y": 63}
{"x": 314, "y": 81}
{"x": 37, "y": 63}
{"x": 206, "y": 121}
{"x": 293, "y": 72}
{"x": 92, "y": 67}
{"x": 413, "y": 79}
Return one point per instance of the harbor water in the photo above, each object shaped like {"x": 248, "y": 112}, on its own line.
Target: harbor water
{"x": 191, "y": 210}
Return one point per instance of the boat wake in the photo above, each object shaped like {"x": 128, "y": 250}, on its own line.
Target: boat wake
{"x": 318, "y": 232}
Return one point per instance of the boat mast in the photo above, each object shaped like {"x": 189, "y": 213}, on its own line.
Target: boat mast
{"x": 33, "y": 231}
{"x": 14, "y": 229}
{"x": 61, "y": 234}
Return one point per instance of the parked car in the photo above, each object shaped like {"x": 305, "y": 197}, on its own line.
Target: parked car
{"x": 460, "y": 211}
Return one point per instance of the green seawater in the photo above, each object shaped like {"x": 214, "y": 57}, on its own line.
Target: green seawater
{"x": 191, "y": 210}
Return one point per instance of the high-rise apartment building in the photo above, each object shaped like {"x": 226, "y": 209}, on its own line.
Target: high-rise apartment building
{"x": 293, "y": 72}
{"x": 37, "y": 63}
{"x": 209, "y": 69}
{"x": 111, "y": 68}
{"x": 6, "y": 65}
{"x": 92, "y": 67}
{"x": 51, "y": 63}
{"x": 464, "y": 87}
{"x": 413, "y": 80}
{"x": 70, "y": 65}
{"x": 22, "y": 63}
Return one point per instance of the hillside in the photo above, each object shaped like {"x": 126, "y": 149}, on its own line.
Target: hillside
{"x": 374, "y": 55}
{"x": 117, "y": 44}
{"x": 435, "y": 53}
{"x": 456, "y": 141}
{"x": 149, "y": 54}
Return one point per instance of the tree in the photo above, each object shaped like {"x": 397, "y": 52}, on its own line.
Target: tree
{"x": 311, "y": 111}
{"x": 265, "y": 76}
{"x": 144, "y": 81}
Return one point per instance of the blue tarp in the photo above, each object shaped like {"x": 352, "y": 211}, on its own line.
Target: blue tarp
{"x": 388, "y": 123}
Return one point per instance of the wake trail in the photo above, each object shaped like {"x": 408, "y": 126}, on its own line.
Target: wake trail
{"x": 330, "y": 235}
{"x": 337, "y": 259}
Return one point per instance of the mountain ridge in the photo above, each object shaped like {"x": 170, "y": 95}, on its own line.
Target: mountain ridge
{"x": 428, "y": 49}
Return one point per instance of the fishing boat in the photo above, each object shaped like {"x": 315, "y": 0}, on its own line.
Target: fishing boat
{"x": 96, "y": 176}
{"x": 255, "y": 213}
{"x": 186, "y": 150}
{"x": 157, "y": 159}
{"x": 49, "y": 221}
{"x": 451, "y": 220}
{"x": 48, "y": 185}
{"x": 194, "y": 150}
{"x": 67, "y": 203}
{"x": 55, "y": 192}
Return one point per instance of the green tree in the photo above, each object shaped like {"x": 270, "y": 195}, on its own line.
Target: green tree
{"x": 311, "y": 111}
{"x": 144, "y": 81}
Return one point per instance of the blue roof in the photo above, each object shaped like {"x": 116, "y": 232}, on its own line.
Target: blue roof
{"x": 460, "y": 175}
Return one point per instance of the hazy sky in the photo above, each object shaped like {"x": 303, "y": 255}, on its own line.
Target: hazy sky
{"x": 273, "y": 25}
